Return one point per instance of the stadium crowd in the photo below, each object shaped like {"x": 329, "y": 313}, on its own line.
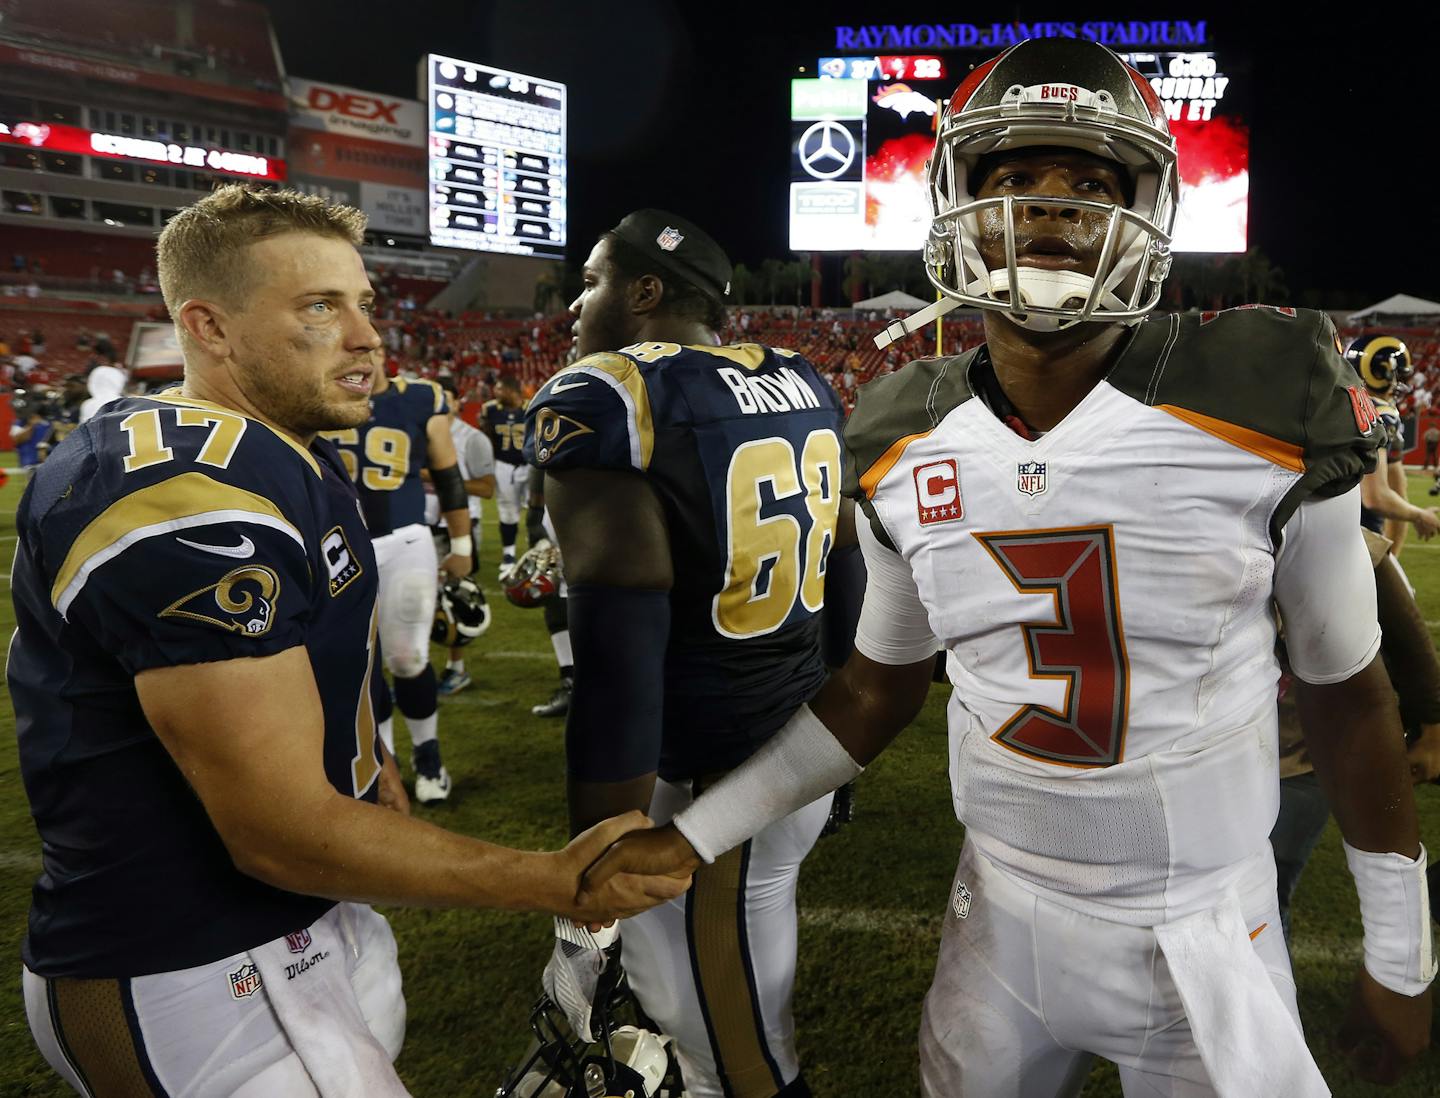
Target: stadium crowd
{"x": 475, "y": 348}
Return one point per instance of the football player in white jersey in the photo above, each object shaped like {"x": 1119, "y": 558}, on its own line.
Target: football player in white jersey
{"x": 1097, "y": 515}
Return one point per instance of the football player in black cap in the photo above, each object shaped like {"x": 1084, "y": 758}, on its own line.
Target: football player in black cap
{"x": 694, "y": 487}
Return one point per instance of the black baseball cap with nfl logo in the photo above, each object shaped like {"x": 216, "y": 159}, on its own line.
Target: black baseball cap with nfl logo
{"x": 680, "y": 247}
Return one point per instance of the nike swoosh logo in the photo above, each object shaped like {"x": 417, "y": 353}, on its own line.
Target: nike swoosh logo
{"x": 561, "y": 386}
{"x": 244, "y": 549}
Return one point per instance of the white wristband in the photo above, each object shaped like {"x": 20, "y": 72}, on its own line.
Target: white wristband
{"x": 799, "y": 764}
{"x": 461, "y": 546}
{"x": 1395, "y": 910}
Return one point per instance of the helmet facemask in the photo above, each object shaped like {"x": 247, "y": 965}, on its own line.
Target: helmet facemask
{"x": 1134, "y": 257}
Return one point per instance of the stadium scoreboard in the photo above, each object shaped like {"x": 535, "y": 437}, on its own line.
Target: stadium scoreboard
{"x": 496, "y": 149}
{"x": 861, "y": 133}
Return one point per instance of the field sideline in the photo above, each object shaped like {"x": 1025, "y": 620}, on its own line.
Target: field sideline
{"x": 871, "y": 897}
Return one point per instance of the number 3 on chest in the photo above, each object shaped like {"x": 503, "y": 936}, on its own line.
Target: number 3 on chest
{"x": 1083, "y": 646}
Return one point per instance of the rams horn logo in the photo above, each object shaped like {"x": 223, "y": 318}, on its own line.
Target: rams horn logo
{"x": 242, "y": 602}
{"x": 548, "y": 427}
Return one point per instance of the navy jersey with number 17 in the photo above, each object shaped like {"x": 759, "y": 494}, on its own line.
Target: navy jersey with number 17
{"x": 386, "y": 455}
{"x": 741, "y": 444}
{"x": 163, "y": 532}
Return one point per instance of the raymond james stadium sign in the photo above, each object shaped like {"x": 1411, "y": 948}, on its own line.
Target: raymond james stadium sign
{"x": 993, "y": 35}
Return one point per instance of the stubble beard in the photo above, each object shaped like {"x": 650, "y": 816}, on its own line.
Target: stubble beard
{"x": 278, "y": 394}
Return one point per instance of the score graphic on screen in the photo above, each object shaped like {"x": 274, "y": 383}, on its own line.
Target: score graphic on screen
{"x": 497, "y": 159}
{"x": 860, "y": 139}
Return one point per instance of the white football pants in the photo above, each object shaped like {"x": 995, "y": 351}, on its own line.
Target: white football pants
{"x": 512, "y": 491}
{"x": 409, "y": 583}
{"x": 1026, "y": 990}
{"x": 715, "y": 968}
{"x": 210, "y": 1031}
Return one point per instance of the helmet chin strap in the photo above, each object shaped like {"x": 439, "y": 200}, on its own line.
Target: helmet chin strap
{"x": 1044, "y": 290}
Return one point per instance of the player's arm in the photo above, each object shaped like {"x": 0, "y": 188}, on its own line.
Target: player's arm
{"x": 1413, "y": 667}
{"x": 480, "y": 464}
{"x": 855, "y": 716}
{"x": 450, "y": 492}
{"x": 1395, "y": 529}
{"x": 248, "y": 734}
{"x": 1352, "y": 732}
{"x": 1377, "y": 495}
{"x": 484, "y": 487}
{"x": 616, "y": 550}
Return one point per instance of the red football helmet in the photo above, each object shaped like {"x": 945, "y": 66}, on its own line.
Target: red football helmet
{"x": 1073, "y": 94}
{"x": 535, "y": 576}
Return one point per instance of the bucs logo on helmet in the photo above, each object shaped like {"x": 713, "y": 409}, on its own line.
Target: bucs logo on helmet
{"x": 1050, "y": 93}
{"x": 1382, "y": 361}
{"x": 461, "y": 613}
{"x": 535, "y": 576}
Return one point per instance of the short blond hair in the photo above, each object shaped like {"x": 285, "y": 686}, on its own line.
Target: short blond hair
{"x": 201, "y": 252}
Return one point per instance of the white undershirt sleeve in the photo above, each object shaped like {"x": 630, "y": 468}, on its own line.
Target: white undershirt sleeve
{"x": 1325, "y": 588}
{"x": 894, "y": 625}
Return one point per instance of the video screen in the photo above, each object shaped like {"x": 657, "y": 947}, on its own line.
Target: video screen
{"x": 496, "y": 159}
{"x": 859, "y": 142}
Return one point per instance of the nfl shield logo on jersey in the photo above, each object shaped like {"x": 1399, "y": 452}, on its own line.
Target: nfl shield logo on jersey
{"x": 244, "y": 981}
{"x": 937, "y": 492}
{"x": 669, "y": 239}
{"x": 298, "y": 942}
{"x": 1030, "y": 477}
{"x": 961, "y": 903}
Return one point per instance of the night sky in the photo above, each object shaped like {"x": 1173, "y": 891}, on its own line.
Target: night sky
{"x": 685, "y": 106}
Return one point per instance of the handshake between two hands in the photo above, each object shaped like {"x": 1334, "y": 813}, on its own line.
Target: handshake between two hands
{"x": 623, "y": 866}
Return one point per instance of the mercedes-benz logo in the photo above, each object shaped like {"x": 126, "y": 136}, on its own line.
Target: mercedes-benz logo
{"x": 826, "y": 149}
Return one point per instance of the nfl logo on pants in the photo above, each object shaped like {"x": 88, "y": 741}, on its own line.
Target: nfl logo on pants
{"x": 1030, "y": 477}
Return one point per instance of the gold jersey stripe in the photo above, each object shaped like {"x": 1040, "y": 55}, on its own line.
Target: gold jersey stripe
{"x": 749, "y": 355}
{"x": 1287, "y": 455}
{"x": 624, "y": 377}
{"x": 180, "y": 400}
{"x": 160, "y": 507}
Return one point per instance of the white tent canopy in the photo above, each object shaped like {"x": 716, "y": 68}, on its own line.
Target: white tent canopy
{"x": 900, "y": 301}
{"x": 1398, "y": 306}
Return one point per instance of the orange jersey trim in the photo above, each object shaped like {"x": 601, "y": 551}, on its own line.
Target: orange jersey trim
{"x": 1284, "y": 454}
{"x": 871, "y": 478}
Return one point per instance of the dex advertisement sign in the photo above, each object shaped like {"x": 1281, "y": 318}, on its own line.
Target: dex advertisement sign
{"x": 336, "y": 108}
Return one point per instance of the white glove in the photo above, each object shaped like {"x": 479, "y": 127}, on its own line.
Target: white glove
{"x": 573, "y": 972}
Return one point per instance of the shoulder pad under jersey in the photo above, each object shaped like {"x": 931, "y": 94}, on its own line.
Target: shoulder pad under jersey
{"x": 893, "y": 410}
{"x": 592, "y": 415}
{"x": 1266, "y": 379}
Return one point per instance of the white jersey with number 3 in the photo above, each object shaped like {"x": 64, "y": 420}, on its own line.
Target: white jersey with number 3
{"x": 1106, "y": 594}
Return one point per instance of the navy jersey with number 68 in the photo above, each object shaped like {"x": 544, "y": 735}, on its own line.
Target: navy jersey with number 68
{"x": 742, "y": 446}
{"x": 386, "y": 455}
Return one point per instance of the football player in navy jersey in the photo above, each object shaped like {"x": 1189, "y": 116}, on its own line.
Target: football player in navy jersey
{"x": 195, "y": 598}
{"x": 694, "y": 489}
{"x": 409, "y": 430}
{"x": 503, "y": 420}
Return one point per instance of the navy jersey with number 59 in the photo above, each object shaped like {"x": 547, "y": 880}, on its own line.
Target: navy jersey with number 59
{"x": 386, "y": 455}
{"x": 742, "y": 446}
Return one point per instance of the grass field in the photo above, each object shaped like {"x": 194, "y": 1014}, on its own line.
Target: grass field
{"x": 871, "y": 897}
